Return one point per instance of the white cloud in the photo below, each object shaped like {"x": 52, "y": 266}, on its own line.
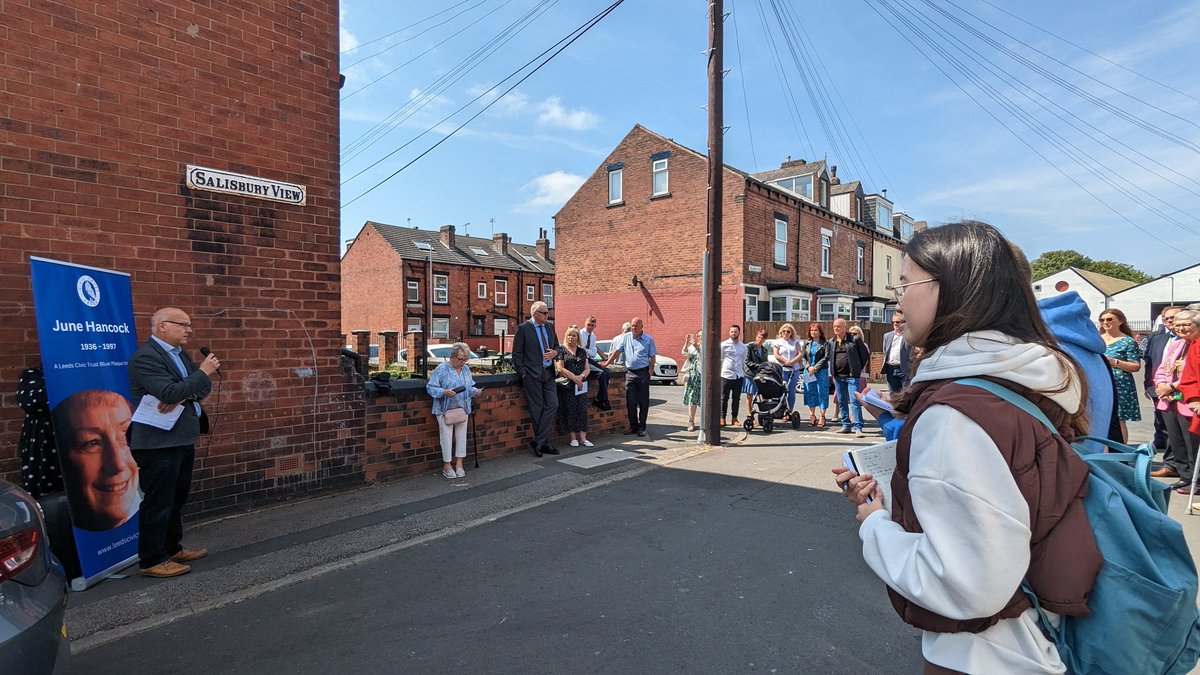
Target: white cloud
{"x": 551, "y": 190}
{"x": 553, "y": 114}
{"x": 347, "y": 39}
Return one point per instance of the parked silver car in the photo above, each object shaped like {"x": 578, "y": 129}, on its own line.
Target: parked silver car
{"x": 33, "y": 590}
{"x": 666, "y": 369}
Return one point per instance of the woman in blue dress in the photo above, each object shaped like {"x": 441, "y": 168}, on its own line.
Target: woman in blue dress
{"x": 1125, "y": 358}
{"x": 815, "y": 363}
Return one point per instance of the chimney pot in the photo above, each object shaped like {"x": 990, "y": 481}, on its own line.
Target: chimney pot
{"x": 447, "y": 236}
{"x": 500, "y": 243}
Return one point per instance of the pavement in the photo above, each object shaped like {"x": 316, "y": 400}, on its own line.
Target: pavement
{"x": 344, "y": 534}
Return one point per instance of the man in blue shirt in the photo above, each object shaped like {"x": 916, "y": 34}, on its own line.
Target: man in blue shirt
{"x": 640, "y": 352}
{"x": 534, "y": 347}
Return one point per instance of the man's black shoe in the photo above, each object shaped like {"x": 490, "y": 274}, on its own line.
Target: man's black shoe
{"x": 598, "y": 404}
{"x": 630, "y": 431}
{"x": 1182, "y": 483}
{"x": 549, "y": 449}
{"x": 537, "y": 452}
{"x": 605, "y": 406}
{"x": 641, "y": 432}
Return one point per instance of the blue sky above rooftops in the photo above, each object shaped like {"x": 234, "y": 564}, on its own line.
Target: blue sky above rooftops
{"x": 884, "y": 113}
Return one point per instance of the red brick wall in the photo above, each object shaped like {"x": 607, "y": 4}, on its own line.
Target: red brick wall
{"x": 402, "y": 434}
{"x": 104, "y": 105}
{"x": 373, "y": 293}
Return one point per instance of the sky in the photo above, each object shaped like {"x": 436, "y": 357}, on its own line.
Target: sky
{"x": 1092, "y": 146}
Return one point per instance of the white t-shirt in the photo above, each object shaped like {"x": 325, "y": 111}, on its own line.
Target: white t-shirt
{"x": 787, "y": 351}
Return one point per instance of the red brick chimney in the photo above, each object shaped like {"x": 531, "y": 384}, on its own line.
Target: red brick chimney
{"x": 500, "y": 243}
{"x": 543, "y": 245}
{"x": 447, "y": 236}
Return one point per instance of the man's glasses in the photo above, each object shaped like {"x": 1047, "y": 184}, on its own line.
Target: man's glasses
{"x": 181, "y": 324}
{"x": 899, "y": 291}
{"x": 899, "y": 323}
{"x": 544, "y": 311}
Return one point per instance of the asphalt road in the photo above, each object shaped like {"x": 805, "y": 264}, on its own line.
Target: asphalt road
{"x": 737, "y": 560}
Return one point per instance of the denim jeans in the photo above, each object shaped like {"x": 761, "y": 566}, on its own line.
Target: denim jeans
{"x": 848, "y": 404}
{"x": 790, "y": 378}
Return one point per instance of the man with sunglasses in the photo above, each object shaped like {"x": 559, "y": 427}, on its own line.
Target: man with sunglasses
{"x": 896, "y": 356}
{"x": 160, "y": 368}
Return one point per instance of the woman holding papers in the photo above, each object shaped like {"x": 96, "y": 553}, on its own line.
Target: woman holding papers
{"x": 984, "y": 496}
{"x": 814, "y": 360}
{"x": 572, "y": 364}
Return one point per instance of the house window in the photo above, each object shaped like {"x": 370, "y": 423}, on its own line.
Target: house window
{"x": 862, "y": 263}
{"x": 883, "y": 219}
{"x": 825, "y": 311}
{"x": 843, "y": 310}
{"x": 877, "y": 315}
{"x": 801, "y": 309}
{"x": 441, "y": 289}
{"x": 801, "y": 185}
{"x": 478, "y": 325}
{"x": 530, "y": 293}
{"x": 500, "y": 327}
{"x": 502, "y": 292}
{"x": 791, "y": 308}
{"x": 659, "y": 169}
{"x": 414, "y": 325}
{"x": 614, "y": 186}
{"x": 889, "y": 270}
{"x": 441, "y": 329}
{"x": 548, "y": 295}
{"x": 826, "y": 258}
{"x": 781, "y": 227}
{"x": 412, "y": 292}
{"x": 481, "y": 289}
{"x": 862, "y": 313}
{"x": 824, "y": 192}
{"x": 779, "y": 307}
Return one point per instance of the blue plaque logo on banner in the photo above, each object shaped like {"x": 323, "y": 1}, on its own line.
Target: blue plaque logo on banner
{"x": 89, "y": 290}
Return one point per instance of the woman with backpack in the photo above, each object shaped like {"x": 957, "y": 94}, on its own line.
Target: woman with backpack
{"x": 984, "y": 497}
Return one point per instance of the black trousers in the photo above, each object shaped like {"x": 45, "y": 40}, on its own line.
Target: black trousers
{"x": 637, "y": 397}
{"x": 895, "y": 379}
{"x": 602, "y": 376}
{"x": 541, "y": 393}
{"x": 165, "y": 475}
{"x": 730, "y": 389}
{"x": 1181, "y": 442}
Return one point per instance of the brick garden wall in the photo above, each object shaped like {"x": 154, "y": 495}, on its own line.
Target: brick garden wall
{"x": 402, "y": 433}
{"x": 104, "y": 104}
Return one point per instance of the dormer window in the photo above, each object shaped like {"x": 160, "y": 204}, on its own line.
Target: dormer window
{"x": 801, "y": 185}
{"x": 824, "y": 193}
{"x": 883, "y": 217}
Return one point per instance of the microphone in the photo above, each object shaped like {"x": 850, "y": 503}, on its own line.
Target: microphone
{"x": 204, "y": 351}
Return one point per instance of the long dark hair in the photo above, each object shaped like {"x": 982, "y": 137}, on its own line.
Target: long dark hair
{"x": 985, "y": 284}
{"x": 820, "y": 332}
{"x": 1122, "y": 322}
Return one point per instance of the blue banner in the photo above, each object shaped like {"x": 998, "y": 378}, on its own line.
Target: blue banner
{"x": 87, "y": 335}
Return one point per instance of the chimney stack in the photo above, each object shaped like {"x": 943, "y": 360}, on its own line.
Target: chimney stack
{"x": 543, "y": 245}
{"x": 500, "y": 243}
{"x": 447, "y": 236}
{"x": 834, "y": 180}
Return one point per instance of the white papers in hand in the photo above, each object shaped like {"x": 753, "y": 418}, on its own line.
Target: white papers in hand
{"x": 876, "y": 400}
{"x": 878, "y": 460}
{"x": 147, "y": 413}
{"x": 581, "y": 388}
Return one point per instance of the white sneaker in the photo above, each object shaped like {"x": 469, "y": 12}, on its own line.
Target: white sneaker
{"x": 588, "y": 444}
{"x": 460, "y": 473}
{"x": 574, "y": 444}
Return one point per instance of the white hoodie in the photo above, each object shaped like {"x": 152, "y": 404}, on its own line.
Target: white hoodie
{"x": 974, "y": 550}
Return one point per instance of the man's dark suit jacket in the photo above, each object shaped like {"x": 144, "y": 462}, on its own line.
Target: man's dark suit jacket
{"x": 905, "y": 351}
{"x": 1155, "y": 346}
{"x": 527, "y": 350}
{"x": 152, "y": 371}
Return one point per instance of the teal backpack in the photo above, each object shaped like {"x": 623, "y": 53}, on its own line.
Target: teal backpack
{"x": 1143, "y": 617}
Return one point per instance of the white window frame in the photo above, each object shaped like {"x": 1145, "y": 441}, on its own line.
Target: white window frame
{"x": 781, "y": 226}
{"x": 889, "y": 270}
{"x": 659, "y": 168}
{"x": 412, "y": 292}
{"x": 826, "y": 253}
{"x": 440, "y": 329}
{"x": 862, "y": 263}
{"x": 548, "y": 295}
{"x": 779, "y": 314}
{"x": 824, "y": 193}
{"x": 862, "y": 313}
{"x": 501, "y": 292}
{"x": 882, "y": 223}
{"x": 801, "y": 309}
{"x": 481, "y": 323}
{"x": 530, "y": 292}
{"x": 441, "y": 289}
{"x": 500, "y": 326}
{"x": 877, "y": 314}
{"x": 751, "y": 304}
{"x": 414, "y": 325}
{"x": 826, "y": 310}
{"x": 615, "y": 179}
{"x": 791, "y": 306}
{"x": 481, "y": 290}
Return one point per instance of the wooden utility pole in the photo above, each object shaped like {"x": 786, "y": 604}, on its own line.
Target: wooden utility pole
{"x": 710, "y": 424}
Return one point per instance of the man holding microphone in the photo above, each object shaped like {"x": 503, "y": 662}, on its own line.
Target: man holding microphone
{"x": 162, "y": 369}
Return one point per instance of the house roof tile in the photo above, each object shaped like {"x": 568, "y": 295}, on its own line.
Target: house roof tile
{"x": 404, "y": 242}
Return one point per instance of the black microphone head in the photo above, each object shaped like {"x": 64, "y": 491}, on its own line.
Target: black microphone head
{"x": 204, "y": 351}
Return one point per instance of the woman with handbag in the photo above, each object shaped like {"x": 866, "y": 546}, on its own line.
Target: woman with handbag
{"x": 572, "y": 363}
{"x": 452, "y": 388}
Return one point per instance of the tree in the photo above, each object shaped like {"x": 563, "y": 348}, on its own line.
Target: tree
{"x": 1056, "y": 261}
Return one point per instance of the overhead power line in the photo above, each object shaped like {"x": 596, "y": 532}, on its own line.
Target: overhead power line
{"x": 401, "y": 30}
{"x": 557, "y": 48}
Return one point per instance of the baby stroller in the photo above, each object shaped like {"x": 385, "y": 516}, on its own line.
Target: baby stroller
{"x": 770, "y": 403}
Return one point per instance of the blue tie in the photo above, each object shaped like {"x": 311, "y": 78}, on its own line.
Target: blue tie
{"x": 545, "y": 344}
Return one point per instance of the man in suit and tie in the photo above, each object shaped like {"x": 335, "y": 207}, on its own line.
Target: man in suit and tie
{"x": 162, "y": 369}
{"x": 534, "y": 348}
{"x": 1156, "y": 345}
{"x": 896, "y": 353}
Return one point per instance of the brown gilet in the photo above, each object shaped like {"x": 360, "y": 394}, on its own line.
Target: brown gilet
{"x": 1064, "y": 558}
